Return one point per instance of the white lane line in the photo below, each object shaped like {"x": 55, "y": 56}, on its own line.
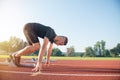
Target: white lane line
{"x": 56, "y": 74}
{"x": 86, "y": 65}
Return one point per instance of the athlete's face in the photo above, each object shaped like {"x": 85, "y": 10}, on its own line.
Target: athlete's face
{"x": 59, "y": 42}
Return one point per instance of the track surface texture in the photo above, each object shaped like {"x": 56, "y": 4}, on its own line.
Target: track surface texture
{"x": 65, "y": 70}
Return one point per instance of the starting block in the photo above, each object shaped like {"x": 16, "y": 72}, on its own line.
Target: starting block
{"x": 26, "y": 63}
{"x": 9, "y": 62}
{"x": 33, "y": 60}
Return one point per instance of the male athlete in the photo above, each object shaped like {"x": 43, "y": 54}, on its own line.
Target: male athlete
{"x": 32, "y": 32}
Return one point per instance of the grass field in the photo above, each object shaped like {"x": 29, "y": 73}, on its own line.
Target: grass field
{"x": 70, "y": 58}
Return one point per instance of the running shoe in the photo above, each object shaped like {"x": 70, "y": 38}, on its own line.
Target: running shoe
{"x": 16, "y": 60}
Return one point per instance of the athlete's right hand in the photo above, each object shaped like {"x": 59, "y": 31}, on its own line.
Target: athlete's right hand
{"x": 37, "y": 68}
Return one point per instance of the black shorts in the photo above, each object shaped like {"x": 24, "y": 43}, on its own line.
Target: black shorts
{"x": 30, "y": 34}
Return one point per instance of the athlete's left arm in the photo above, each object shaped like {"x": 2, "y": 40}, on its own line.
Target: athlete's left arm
{"x": 49, "y": 53}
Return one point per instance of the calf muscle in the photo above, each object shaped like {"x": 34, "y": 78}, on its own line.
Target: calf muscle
{"x": 28, "y": 49}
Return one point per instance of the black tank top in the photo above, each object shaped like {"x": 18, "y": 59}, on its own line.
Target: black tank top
{"x": 43, "y": 31}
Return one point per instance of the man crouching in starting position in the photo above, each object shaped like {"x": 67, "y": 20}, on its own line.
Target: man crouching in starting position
{"x": 32, "y": 31}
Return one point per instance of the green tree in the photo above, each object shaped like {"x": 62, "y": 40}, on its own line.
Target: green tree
{"x": 71, "y": 51}
{"x": 99, "y": 48}
{"x": 115, "y": 51}
{"x": 89, "y": 52}
{"x": 14, "y": 44}
{"x": 118, "y": 48}
{"x": 107, "y": 53}
{"x": 102, "y": 45}
{"x": 4, "y": 46}
{"x": 56, "y": 52}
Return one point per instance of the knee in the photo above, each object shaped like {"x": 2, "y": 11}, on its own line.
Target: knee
{"x": 33, "y": 48}
{"x": 36, "y": 46}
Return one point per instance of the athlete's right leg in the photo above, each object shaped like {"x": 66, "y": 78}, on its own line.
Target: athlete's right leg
{"x": 33, "y": 44}
{"x": 27, "y": 50}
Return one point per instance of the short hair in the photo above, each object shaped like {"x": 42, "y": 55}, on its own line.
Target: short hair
{"x": 66, "y": 40}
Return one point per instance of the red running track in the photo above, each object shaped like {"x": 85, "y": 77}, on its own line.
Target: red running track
{"x": 66, "y": 70}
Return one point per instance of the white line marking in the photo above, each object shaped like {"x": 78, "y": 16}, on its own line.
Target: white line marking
{"x": 57, "y": 74}
{"x": 86, "y": 65}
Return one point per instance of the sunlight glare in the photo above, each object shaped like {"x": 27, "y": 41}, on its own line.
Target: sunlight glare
{"x": 10, "y": 17}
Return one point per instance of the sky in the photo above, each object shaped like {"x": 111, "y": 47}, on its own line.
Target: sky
{"x": 84, "y": 22}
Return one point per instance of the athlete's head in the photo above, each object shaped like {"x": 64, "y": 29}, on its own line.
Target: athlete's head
{"x": 61, "y": 40}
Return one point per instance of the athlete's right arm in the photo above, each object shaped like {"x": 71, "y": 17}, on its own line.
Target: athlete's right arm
{"x": 43, "y": 49}
{"x": 40, "y": 56}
